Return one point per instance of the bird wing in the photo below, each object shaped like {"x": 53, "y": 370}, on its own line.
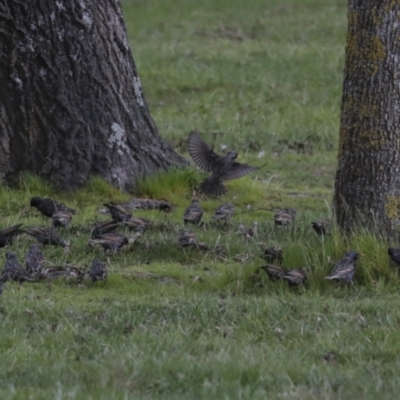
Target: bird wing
{"x": 237, "y": 170}
{"x": 201, "y": 153}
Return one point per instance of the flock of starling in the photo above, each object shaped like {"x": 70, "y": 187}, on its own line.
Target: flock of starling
{"x": 222, "y": 168}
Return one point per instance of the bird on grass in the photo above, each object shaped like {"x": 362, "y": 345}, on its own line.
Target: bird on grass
{"x": 394, "y": 254}
{"x": 47, "y": 236}
{"x": 61, "y": 219}
{"x": 34, "y": 260}
{"x": 8, "y": 235}
{"x": 274, "y": 272}
{"x": 285, "y": 216}
{"x": 321, "y": 227}
{"x": 98, "y": 271}
{"x": 272, "y": 254}
{"x": 13, "y": 270}
{"x": 345, "y": 268}
{"x": 103, "y": 228}
{"x": 187, "y": 239}
{"x": 71, "y": 273}
{"x": 138, "y": 224}
{"x": 118, "y": 212}
{"x": 224, "y": 212}
{"x": 193, "y": 213}
{"x": 49, "y": 206}
{"x": 111, "y": 241}
{"x": 295, "y": 277}
{"x": 222, "y": 168}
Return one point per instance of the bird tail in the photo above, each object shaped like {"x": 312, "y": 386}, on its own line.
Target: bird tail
{"x": 213, "y": 188}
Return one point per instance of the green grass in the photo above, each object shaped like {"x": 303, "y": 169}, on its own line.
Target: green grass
{"x": 263, "y": 77}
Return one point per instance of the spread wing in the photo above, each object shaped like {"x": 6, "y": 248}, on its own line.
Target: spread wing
{"x": 237, "y": 171}
{"x": 201, "y": 153}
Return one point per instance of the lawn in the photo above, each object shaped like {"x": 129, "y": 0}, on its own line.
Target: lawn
{"x": 264, "y": 78}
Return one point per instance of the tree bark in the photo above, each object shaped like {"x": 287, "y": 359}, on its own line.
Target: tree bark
{"x": 71, "y": 102}
{"x": 367, "y": 185}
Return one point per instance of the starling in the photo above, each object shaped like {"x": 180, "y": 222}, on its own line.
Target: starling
{"x": 104, "y": 227}
{"x": 271, "y": 254}
{"x": 49, "y": 206}
{"x": 111, "y": 241}
{"x": 224, "y": 212}
{"x": 222, "y": 168}
{"x": 47, "y": 236}
{"x": 193, "y": 213}
{"x": 62, "y": 272}
{"x": 8, "y": 235}
{"x": 34, "y": 260}
{"x": 321, "y": 227}
{"x": 138, "y": 224}
{"x": 14, "y": 271}
{"x": 274, "y": 272}
{"x": 249, "y": 233}
{"x": 118, "y": 212}
{"x": 98, "y": 271}
{"x": 295, "y": 277}
{"x": 284, "y": 217}
{"x": 394, "y": 255}
{"x": 186, "y": 239}
{"x": 61, "y": 219}
{"x": 345, "y": 268}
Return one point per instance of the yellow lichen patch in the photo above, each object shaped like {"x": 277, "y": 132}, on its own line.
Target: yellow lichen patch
{"x": 392, "y": 207}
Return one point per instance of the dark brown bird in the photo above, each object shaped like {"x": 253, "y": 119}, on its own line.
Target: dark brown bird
{"x": 63, "y": 272}
{"x": 284, "y": 217}
{"x": 104, "y": 227}
{"x": 61, "y": 219}
{"x": 394, "y": 254}
{"x": 321, "y": 227}
{"x": 272, "y": 254}
{"x": 118, "y": 212}
{"x": 274, "y": 272}
{"x": 222, "y": 168}
{"x": 345, "y": 268}
{"x": 98, "y": 271}
{"x": 111, "y": 241}
{"x": 8, "y": 235}
{"x": 224, "y": 212}
{"x": 138, "y": 224}
{"x": 13, "y": 270}
{"x": 49, "y": 206}
{"x": 34, "y": 260}
{"x": 47, "y": 236}
{"x": 295, "y": 277}
{"x": 193, "y": 213}
{"x": 186, "y": 239}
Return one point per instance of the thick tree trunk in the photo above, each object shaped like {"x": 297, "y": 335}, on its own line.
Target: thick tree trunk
{"x": 71, "y": 102}
{"x": 367, "y": 186}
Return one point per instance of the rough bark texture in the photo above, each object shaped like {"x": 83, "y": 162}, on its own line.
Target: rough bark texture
{"x": 367, "y": 186}
{"x": 71, "y": 102}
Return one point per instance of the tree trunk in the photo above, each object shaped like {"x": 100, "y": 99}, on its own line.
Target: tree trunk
{"x": 367, "y": 186}
{"x": 71, "y": 102}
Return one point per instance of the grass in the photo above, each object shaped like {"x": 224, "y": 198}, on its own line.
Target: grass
{"x": 264, "y": 78}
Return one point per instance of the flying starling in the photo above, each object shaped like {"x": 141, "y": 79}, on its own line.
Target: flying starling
{"x": 111, "y": 241}
{"x": 98, "y": 271}
{"x": 61, "y": 219}
{"x": 321, "y": 227}
{"x": 193, "y": 213}
{"x": 14, "y": 271}
{"x": 34, "y": 260}
{"x": 222, "y": 168}
{"x": 8, "y": 235}
{"x": 345, "y": 268}
{"x": 224, "y": 212}
{"x": 394, "y": 255}
{"x": 186, "y": 239}
{"x": 49, "y": 206}
{"x": 104, "y": 227}
{"x": 47, "y": 236}
{"x": 118, "y": 212}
